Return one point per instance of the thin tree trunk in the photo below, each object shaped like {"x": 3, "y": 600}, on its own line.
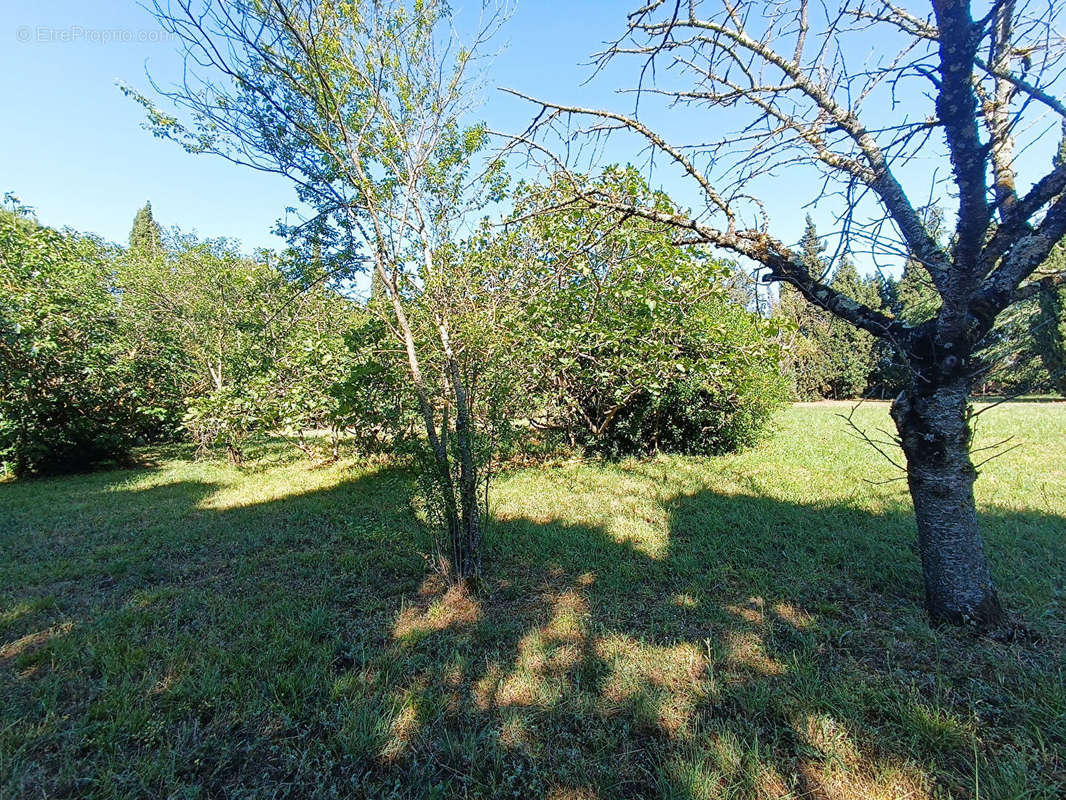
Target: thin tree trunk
{"x": 468, "y": 553}
{"x": 933, "y": 424}
{"x": 438, "y": 444}
{"x": 447, "y": 488}
{"x": 470, "y": 561}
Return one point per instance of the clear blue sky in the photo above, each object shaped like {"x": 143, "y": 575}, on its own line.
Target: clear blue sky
{"x": 72, "y": 145}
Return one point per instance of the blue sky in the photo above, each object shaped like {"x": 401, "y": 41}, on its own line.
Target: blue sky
{"x": 72, "y": 145}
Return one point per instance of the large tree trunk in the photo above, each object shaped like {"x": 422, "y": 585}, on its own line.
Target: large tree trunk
{"x": 933, "y": 424}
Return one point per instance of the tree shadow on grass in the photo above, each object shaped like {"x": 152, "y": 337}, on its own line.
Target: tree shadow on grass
{"x": 295, "y": 647}
{"x": 777, "y": 648}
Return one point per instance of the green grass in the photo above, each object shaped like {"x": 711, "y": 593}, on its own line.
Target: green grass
{"x": 744, "y": 626}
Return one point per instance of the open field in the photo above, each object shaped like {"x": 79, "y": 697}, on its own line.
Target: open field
{"x": 743, "y": 626}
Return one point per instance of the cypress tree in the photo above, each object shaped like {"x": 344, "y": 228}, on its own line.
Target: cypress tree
{"x": 146, "y": 236}
{"x": 1049, "y": 323}
{"x": 848, "y": 351}
{"x": 826, "y": 358}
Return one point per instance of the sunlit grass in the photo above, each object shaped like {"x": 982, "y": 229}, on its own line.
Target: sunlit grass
{"x": 743, "y": 626}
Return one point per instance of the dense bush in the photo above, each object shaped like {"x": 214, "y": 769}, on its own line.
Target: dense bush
{"x": 722, "y": 394}
{"x": 598, "y": 328}
{"x": 1050, "y": 329}
{"x": 69, "y": 397}
{"x": 634, "y": 344}
{"x": 374, "y": 406}
{"x": 224, "y": 419}
{"x": 690, "y": 417}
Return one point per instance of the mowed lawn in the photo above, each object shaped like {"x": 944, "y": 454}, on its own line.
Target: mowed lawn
{"x": 743, "y": 626}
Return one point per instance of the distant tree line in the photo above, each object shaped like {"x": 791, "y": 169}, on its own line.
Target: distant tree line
{"x": 627, "y": 346}
{"x": 825, "y": 358}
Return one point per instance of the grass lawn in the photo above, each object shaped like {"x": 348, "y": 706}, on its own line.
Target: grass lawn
{"x": 743, "y": 626}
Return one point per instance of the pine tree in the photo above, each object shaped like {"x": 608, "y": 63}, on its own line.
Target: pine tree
{"x": 913, "y": 299}
{"x": 917, "y": 297}
{"x": 889, "y": 372}
{"x": 827, "y": 358}
{"x": 146, "y": 236}
{"x": 1049, "y": 323}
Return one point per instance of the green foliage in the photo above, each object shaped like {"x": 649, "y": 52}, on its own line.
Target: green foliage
{"x": 694, "y": 414}
{"x": 69, "y": 393}
{"x": 103, "y": 348}
{"x": 827, "y": 358}
{"x": 374, "y": 403}
{"x": 106, "y": 348}
{"x": 632, "y": 343}
{"x": 1049, "y": 325}
{"x": 197, "y": 310}
{"x": 824, "y": 356}
{"x": 225, "y": 417}
{"x": 465, "y": 327}
{"x": 916, "y": 298}
{"x": 850, "y": 351}
{"x": 913, "y": 299}
{"x": 1007, "y": 361}
{"x": 146, "y": 237}
{"x": 241, "y": 345}
{"x": 1012, "y": 358}
{"x": 806, "y": 329}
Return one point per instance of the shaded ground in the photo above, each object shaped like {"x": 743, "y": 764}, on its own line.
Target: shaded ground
{"x": 746, "y": 626}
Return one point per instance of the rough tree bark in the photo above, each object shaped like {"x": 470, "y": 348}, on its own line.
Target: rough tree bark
{"x": 934, "y": 429}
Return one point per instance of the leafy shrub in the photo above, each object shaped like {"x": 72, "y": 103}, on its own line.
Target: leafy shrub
{"x": 69, "y": 398}
{"x": 225, "y": 418}
{"x": 685, "y": 418}
{"x": 374, "y": 405}
{"x": 635, "y": 345}
{"x": 719, "y": 404}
